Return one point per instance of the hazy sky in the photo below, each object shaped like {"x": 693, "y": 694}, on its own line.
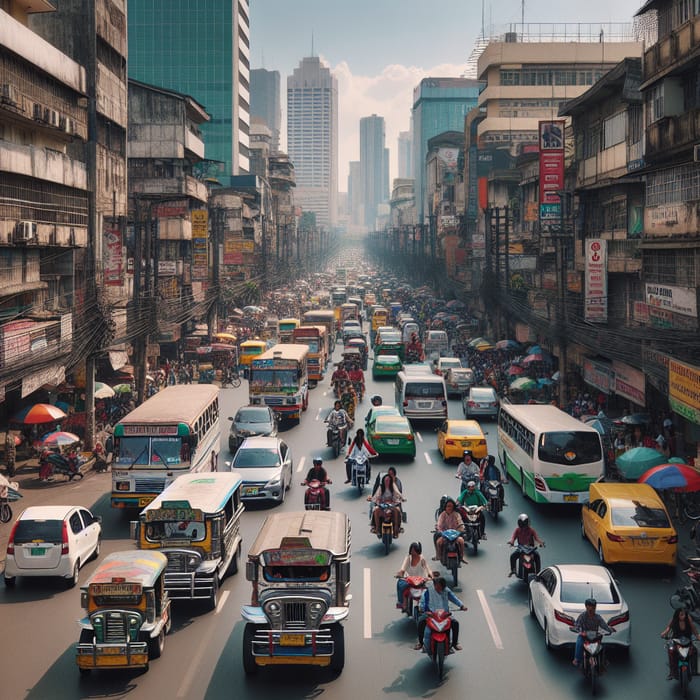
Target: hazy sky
{"x": 380, "y": 49}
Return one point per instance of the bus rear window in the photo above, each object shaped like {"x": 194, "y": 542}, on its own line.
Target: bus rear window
{"x": 569, "y": 448}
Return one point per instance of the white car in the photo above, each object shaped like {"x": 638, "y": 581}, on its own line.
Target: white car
{"x": 266, "y": 465}
{"x": 557, "y": 596}
{"x": 52, "y": 541}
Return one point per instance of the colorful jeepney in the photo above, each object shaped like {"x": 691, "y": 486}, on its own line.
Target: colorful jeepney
{"x": 248, "y": 350}
{"x": 128, "y": 612}
{"x": 285, "y": 329}
{"x": 315, "y": 338}
{"x": 196, "y": 523}
{"x": 279, "y": 379}
{"x": 299, "y": 567}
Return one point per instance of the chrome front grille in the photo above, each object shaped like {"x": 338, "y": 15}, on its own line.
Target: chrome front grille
{"x": 177, "y": 562}
{"x": 115, "y": 629}
{"x": 295, "y": 615}
{"x": 149, "y": 484}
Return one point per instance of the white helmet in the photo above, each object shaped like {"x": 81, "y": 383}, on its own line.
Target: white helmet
{"x": 523, "y": 520}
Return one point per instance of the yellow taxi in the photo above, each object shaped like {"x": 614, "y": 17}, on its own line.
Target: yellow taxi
{"x": 454, "y": 436}
{"x": 628, "y": 523}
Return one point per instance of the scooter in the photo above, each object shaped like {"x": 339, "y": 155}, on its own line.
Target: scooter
{"x": 593, "y": 656}
{"x": 52, "y": 463}
{"x": 315, "y": 496}
{"x": 439, "y": 622}
{"x": 359, "y": 388}
{"x": 526, "y": 565}
{"x": 492, "y": 492}
{"x": 685, "y": 660}
{"x": 450, "y": 553}
{"x": 412, "y": 595}
{"x": 472, "y": 525}
{"x": 360, "y": 472}
{"x": 386, "y": 524}
{"x": 337, "y": 439}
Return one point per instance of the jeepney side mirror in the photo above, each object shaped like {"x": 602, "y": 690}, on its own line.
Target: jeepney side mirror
{"x": 134, "y": 530}
{"x": 251, "y": 571}
{"x": 344, "y": 572}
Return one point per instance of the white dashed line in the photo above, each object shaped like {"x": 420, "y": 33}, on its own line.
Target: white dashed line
{"x": 489, "y": 619}
{"x": 318, "y": 415}
{"x": 300, "y": 466}
{"x": 367, "y": 592}
{"x": 420, "y": 437}
{"x": 222, "y": 601}
{"x": 427, "y": 458}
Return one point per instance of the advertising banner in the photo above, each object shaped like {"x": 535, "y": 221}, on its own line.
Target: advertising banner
{"x": 200, "y": 264}
{"x": 596, "y": 276}
{"x": 630, "y": 383}
{"x": 113, "y": 259}
{"x": 679, "y": 300}
{"x": 684, "y": 390}
{"x": 599, "y": 375}
{"x": 551, "y": 142}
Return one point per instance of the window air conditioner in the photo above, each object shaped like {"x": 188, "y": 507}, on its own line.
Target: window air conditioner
{"x": 25, "y": 231}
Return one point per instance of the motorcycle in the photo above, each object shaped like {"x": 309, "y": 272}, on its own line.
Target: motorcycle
{"x": 593, "y": 656}
{"x": 492, "y": 492}
{"x": 439, "y": 622}
{"x": 472, "y": 525}
{"x": 53, "y": 463}
{"x": 359, "y": 388}
{"x": 450, "y": 553}
{"x": 9, "y": 492}
{"x": 685, "y": 660}
{"x": 360, "y": 472}
{"x": 385, "y": 532}
{"x": 315, "y": 496}
{"x": 337, "y": 439}
{"x": 413, "y": 594}
{"x": 526, "y": 565}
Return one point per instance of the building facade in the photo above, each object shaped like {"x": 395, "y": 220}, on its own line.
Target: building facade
{"x": 374, "y": 167}
{"x": 312, "y": 138}
{"x": 405, "y": 155}
{"x": 205, "y": 53}
{"x": 265, "y": 102}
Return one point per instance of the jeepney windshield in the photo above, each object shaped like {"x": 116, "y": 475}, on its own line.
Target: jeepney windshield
{"x": 296, "y": 573}
{"x": 163, "y": 530}
{"x": 282, "y": 380}
{"x": 152, "y": 451}
{"x": 311, "y": 343}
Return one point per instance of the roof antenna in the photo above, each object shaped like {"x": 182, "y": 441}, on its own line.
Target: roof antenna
{"x": 312, "y": 43}
{"x": 483, "y": 34}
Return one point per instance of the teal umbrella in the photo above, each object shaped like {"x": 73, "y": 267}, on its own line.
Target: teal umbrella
{"x": 523, "y": 384}
{"x": 636, "y": 461}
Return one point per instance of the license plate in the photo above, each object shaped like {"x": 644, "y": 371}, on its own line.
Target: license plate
{"x": 292, "y": 640}
{"x": 425, "y": 404}
{"x": 250, "y": 491}
{"x": 392, "y": 441}
{"x": 466, "y": 443}
{"x": 643, "y": 542}
{"x": 38, "y": 551}
{"x": 571, "y": 498}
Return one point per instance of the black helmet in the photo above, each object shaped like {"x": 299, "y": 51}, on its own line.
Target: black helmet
{"x": 317, "y": 461}
{"x": 376, "y": 400}
{"x": 591, "y": 601}
{"x": 467, "y": 452}
{"x": 492, "y": 459}
{"x": 523, "y": 520}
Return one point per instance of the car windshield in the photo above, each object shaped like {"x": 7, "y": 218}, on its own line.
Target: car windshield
{"x": 461, "y": 374}
{"x": 390, "y": 424}
{"x": 449, "y": 363}
{"x": 256, "y": 457}
{"x": 38, "y": 531}
{"x": 579, "y": 591}
{"x": 635, "y": 514}
{"x": 253, "y": 415}
{"x": 387, "y": 359}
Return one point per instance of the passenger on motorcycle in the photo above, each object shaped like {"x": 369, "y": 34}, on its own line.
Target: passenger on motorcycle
{"x": 471, "y": 497}
{"x": 525, "y": 535}
{"x": 414, "y": 349}
{"x": 588, "y": 621}
{"x": 468, "y": 469}
{"x": 338, "y": 418}
{"x": 339, "y": 375}
{"x": 377, "y": 481}
{"x": 387, "y": 493}
{"x": 348, "y": 398}
{"x": 438, "y": 597}
{"x": 359, "y": 445}
{"x": 490, "y": 472}
{"x": 413, "y": 565}
{"x": 318, "y": 471}
{"x": 449, "y": 519}
{"x": 357, "y": 377}
{"x": 680, "y": 625}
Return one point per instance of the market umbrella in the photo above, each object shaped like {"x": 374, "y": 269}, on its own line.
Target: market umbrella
{"x": 58, "y": 438}
{"x": 122, "y": 389}
{"x": 555, "y": 376}
{"x": 535, "y": 350}
{"x": 636, "y": 419}
{"x": 506, "y": 344}
{"x": 672, "y": 476}
{"x": 38, "y": 413}
{"x": 636, "y": 461}
{"x": 455, "y": 304}
{"x": 103, "y": 391}
{"x": 63, "y": 405}
{"x": 523, "y": 384}
{"x": 544, "y": 381}
{"x": 477, "y": 341}
{"x": 482, "y": 347}
{"x": 516, "y": 370}
{"x": 533, "y": 357}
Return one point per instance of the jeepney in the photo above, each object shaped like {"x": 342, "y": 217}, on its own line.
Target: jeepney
{"x": 196, "y": 523}
{"x": 285, "y": 329}
{"x": 128, "y": 612}
{"x": 250, "y": 349}
{"x": 299, "y": 567}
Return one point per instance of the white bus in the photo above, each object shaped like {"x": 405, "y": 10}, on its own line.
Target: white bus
{"x": 553, "y": 456}
{"x": 175, "y": 432}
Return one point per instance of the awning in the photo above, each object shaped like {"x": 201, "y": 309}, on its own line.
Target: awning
{"x": 118, "y": 358}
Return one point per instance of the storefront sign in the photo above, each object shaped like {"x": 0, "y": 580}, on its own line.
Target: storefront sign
{"x": 630, "y": 383}
{"x": 599, "y": 375}
{"x": 679, "y": 300}
{"x": 684, "y": 389}
{"x": 113, "y": 257}
{"x": 551, "y": 139}
{"x": 53, "y": 375}
{"x": 167, "y": 267}
{"x": 596, "y": 276}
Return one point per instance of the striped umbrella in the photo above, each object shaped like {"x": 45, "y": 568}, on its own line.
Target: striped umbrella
{"x": 58, "y": 438}
{"x": 38, "y": 413}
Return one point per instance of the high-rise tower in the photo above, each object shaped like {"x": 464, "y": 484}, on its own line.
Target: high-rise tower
{"x": 374, "y": 167}
{"x": 265, "y": 102}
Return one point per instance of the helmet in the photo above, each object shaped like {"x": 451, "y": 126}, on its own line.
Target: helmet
{"x": 467, "y": 453}
{"x": 523, "y": 520}
{"x": 591, "y": 601}
{"x": 317, "y": 461}
{"x": 376, "y": 400}
{"x": 471, "y": 485}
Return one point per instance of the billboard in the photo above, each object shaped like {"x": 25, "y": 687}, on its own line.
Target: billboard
{"x": 113, "y": 257}
{"x": 596, "y": 275}
{"x": 551, "y": 143}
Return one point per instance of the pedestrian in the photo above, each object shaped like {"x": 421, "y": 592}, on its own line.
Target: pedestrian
{"x": 10, "y": 452}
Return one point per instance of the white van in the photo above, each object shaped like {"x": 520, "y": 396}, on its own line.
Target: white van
{"x": 436, "y": 344}
{"x": 421, "y": 396}
{"x": 409, "y": 329}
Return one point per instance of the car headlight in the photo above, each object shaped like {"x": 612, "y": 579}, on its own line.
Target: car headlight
{"x": 273, "y": 482}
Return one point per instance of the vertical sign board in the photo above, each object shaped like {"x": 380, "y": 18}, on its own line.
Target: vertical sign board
{"x": 551, "y": 141}
{"x": 200, "y": 260}
{"x": 684, "y": 390}
{"x": 596, "y": 292}
{"x": 113, "y": 258}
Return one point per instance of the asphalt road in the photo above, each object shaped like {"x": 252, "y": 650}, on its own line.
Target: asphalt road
{"x": 504, "y": 653}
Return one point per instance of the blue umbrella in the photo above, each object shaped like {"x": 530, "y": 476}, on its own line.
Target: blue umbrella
{"x": 544, "y": 381}
{"x": 664, "y": 476}
{"x": 63, "y": 405}
{"x": 534, "y": 350}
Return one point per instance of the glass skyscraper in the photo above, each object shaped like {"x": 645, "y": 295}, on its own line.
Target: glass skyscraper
{"x": 374, "y": 167}
{"x": 200, "y": 48}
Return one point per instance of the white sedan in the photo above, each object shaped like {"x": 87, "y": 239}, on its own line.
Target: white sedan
{"x": 556, "y": 599}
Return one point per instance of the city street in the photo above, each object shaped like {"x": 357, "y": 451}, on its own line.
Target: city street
{"x": 504, "y": 652}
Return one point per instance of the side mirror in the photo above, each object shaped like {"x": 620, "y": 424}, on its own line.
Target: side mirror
{"x": 230, "y": 418}
{"x": 134, "y": 529}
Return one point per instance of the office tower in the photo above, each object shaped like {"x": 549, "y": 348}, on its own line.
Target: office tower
{"x": 199, "y": 49}
{"x": 355, "y": 193}
{"x": 374, "y": 167}
{"x": 405, "y": 148}
{"x": 265, "y": 102}
{"x": 312, "y": 138}
{"x": 439, "y": 104}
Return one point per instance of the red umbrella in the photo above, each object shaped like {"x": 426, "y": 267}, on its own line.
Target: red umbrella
{"x": 537, "y": 357}
{"x": 515, "y": 370}
{"x": 684, "y": 471}
{"x": 38, "y": 413}
{"x": 59, "y": 438}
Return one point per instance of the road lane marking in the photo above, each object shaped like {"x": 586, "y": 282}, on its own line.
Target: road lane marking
{"x": 318, "y": 415}
{"x": 367, "y": 592}
{"x": 420, "y": 437}
{"x": 194, "y": 664}
{"x": 427, "y": 458}
{"x": 300, "y": 466}
{"x": 489, "y": 620}
{"x": 222, "y": 601}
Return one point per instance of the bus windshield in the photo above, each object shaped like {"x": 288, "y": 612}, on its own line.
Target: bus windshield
{"x": 152, "y": 451}
{"x": 275, "y": 379}
{"x": 569, "y": 448}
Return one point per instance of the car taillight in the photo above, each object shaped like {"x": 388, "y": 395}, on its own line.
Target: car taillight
{"x": 64, "y": 538}
{"x": 410, "y": 438}
{"x": 619, "y": 619}
{"x": 405, "y": 403}
{"x": 673, "y": 539}
{"x": 614, "y": 538}
{"x": 563, "y": 618}
{"x": 11, "y": 541}
{"x": 471, "y": 404}
{"x": 449, "y": 442}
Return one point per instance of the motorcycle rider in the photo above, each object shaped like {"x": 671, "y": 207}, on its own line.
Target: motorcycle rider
{"x": 413, "y": 565}
{"x": 680, "y": 625}
{"x": 438, "y": 597}
{"x": 524, "y": 535}
{"x": 490, "y": 472}
{"x": 348, "y": 398}
{"x": 339, "y": 375}
{"x": 358, "y": 446}
{"x": 471, "y": 497}
{"x": 449, "y": 519}
{"x": 357, "y": 378}
{"x": 338, "y": 418}
{"x": 588, "y": 621}
{"x": 318, "y": 471}
{"x": 468, "y": 469}
{"x": 376, "y": 400}
{"x": 387, "y": 492}
{"x": 378, "y": 480}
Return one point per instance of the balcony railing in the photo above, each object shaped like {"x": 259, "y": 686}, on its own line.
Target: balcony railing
{"x": 672, "y": 134}
{"x": 672, "y": 49}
